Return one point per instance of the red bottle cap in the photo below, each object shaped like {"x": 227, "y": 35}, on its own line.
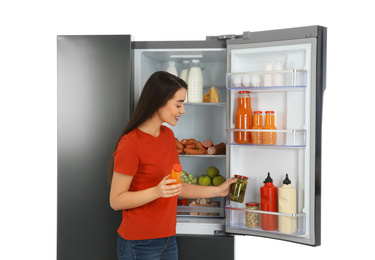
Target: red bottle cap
{"x": 257, "y": 112}
{"x": 177, "y": 167}
{"x": 252, "y": 204}
{"x": 243, "y": 92}
{"x": 270, "y": 112}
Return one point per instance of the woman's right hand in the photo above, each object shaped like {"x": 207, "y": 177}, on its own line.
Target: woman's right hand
{"x": 165, "y": 190}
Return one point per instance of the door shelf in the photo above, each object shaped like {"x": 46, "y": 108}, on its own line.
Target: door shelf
{"x": 236, "y": 218}
{"x": 214, "y": 208}
{"x": 205, "y": 104}
{"x": 268, "y": 80}
{"x": 285, "y": 138}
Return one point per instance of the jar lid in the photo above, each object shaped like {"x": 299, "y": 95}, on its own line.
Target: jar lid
{"x": 270, "y": 112}
{"x": 243, "y": 92}
{"x": 241, "y": 177}
{"x": 252, "y": 204}
{"x": 257, "y": 112}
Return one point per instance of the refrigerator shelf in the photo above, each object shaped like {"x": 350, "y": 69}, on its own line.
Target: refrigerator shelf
{"x": 214, "y": 208}
{"x": 236, "y": 219}
{"x": 268, "y": 80}
{"x": 203, "y": 156}
{"x": 205, "y": 104}
{"x": 285, "y": 137}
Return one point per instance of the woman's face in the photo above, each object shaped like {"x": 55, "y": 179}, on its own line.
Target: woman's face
{"x": 174, "y": 108}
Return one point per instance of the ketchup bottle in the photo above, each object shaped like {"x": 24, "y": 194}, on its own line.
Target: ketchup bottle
{"x": 268, "y": 202}
{"x": 176, "y": 173}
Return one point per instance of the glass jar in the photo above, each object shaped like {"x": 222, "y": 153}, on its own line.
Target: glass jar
{"x": 238, "y": 189}
{"x": 252, "y": 218}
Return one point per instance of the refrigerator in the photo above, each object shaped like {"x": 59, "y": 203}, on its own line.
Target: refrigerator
{"x": 100, "y": 78}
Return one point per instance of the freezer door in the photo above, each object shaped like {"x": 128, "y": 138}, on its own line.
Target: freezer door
{"x": 94, "y": 74}
{"x": 285, "y": 72}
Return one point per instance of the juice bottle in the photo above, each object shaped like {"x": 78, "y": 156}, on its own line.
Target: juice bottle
{"x": 287, "y": 204}
{"x": 270, "y": 137}
{"x": 268, "y": 202}
{"x": 256, "y": 137}
{"x": 176, "y": 173}
{"x": 243, "y": 118}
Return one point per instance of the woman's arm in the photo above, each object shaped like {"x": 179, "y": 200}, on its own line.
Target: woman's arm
{"x": 121, "y": 198}
{"x": 191, "y": 191}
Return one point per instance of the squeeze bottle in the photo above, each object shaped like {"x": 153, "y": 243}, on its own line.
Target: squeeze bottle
{"x": 268, "y": 202}
{"x": 287, "y": 204}
{"x": 176, "y": 173}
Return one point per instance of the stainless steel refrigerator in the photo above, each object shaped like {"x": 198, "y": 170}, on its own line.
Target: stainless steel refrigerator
{"x": 100, "y": 78}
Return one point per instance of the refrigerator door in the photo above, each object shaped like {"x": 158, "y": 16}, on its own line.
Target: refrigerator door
{"x": 284, "y": 71}
{"x": 94, "y": 98}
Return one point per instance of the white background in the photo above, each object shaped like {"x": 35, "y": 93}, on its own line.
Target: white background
{"x": 28, "y": 108}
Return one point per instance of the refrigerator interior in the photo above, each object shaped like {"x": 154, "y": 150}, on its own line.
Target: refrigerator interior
{"x": 291, "y": 101}
{"x": 201, "y": 121}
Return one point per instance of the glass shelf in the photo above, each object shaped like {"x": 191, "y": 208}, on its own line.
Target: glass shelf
{"x": 285, "y": 138}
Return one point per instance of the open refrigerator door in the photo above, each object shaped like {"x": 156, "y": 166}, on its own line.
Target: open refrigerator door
{"x": 280, "y": 78}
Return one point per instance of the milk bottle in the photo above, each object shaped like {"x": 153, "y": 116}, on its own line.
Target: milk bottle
{"x": 172, "y": 68}
{"x": 185, "y": 70}
{"x": 195, "y": 83}
{"x": 287, "y": 204}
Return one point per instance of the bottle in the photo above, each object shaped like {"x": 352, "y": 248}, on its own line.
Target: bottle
{"x": 176, "y": 173}
{"x": 243, "y": 117}
{"x": 269, "y": 138}
{"x": 172, "y": 68}
{"x": 268, "y": 202}
{"x": 185, "y": 70}
{"x": 279, "y": 77}
{"x": 195, "y": 83}
{"x": 256, "y": 137}
{"x": 267, "y": 77}
{"x": 287, "y": 204}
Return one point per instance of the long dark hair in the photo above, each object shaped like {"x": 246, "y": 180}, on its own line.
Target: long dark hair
{"x": 158, "y": 90}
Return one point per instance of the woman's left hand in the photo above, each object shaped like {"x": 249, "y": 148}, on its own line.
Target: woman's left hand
{"x": 224, "y": 189}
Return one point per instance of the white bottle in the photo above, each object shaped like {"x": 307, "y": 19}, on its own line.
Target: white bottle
{"x": 185, "y": 70}
{"x": 279, "y": 77}
{"x": 287, "y": 197}
{"x": 195, "y": 83}
{"x": 172, "y": 68}
{"x": 267, "y": 80}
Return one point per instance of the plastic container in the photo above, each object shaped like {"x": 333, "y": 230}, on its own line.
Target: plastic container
{"x": 287, "y": 204}
{"x": 256, "y": 137}
{"x": 176, "y": 173}
{"x": 195, "y": 83}
{"x": 172, "y": 68}
{"x": 238, "y": 189}
{"x": 243, "y": 117}
{"x": 252, "y": 218}
{"x": 270, "y": 137}
{"x": 267, "y": 77}
{"x": 279, "y": 77}
{"x": 268, "y": 202}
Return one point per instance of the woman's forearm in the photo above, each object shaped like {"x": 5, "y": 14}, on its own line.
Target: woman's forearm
{"x": 191, "y": 191}
{"x": 133, "y": 199}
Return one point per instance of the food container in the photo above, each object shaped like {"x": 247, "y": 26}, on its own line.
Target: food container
{"x": 238, "y": 189}
{"x": 252, "y": 218}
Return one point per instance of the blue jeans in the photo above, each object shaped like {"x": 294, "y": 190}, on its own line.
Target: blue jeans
{"x": 148, "y": 249}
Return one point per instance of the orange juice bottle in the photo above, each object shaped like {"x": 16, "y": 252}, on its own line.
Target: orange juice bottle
{"x": 243, "y": 117}
{"x": 176, "y": 173}
{"x": 270, "y": 137}
{"x": 256, "y": 137}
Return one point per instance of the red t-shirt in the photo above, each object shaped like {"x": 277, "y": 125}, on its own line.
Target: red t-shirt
{"x": 149, "y": 159}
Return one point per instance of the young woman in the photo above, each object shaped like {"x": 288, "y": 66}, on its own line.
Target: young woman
{"x": 143, "y": 161}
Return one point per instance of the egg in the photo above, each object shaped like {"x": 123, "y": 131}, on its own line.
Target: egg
{"x": 237, "y": 81}
{"x": 246, "y": 81}
{"x": 255, "y": 80}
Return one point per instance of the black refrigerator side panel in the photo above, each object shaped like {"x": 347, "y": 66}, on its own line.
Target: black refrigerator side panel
{"x": 94, "y": 78}
{"x": 320, "y": 87}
